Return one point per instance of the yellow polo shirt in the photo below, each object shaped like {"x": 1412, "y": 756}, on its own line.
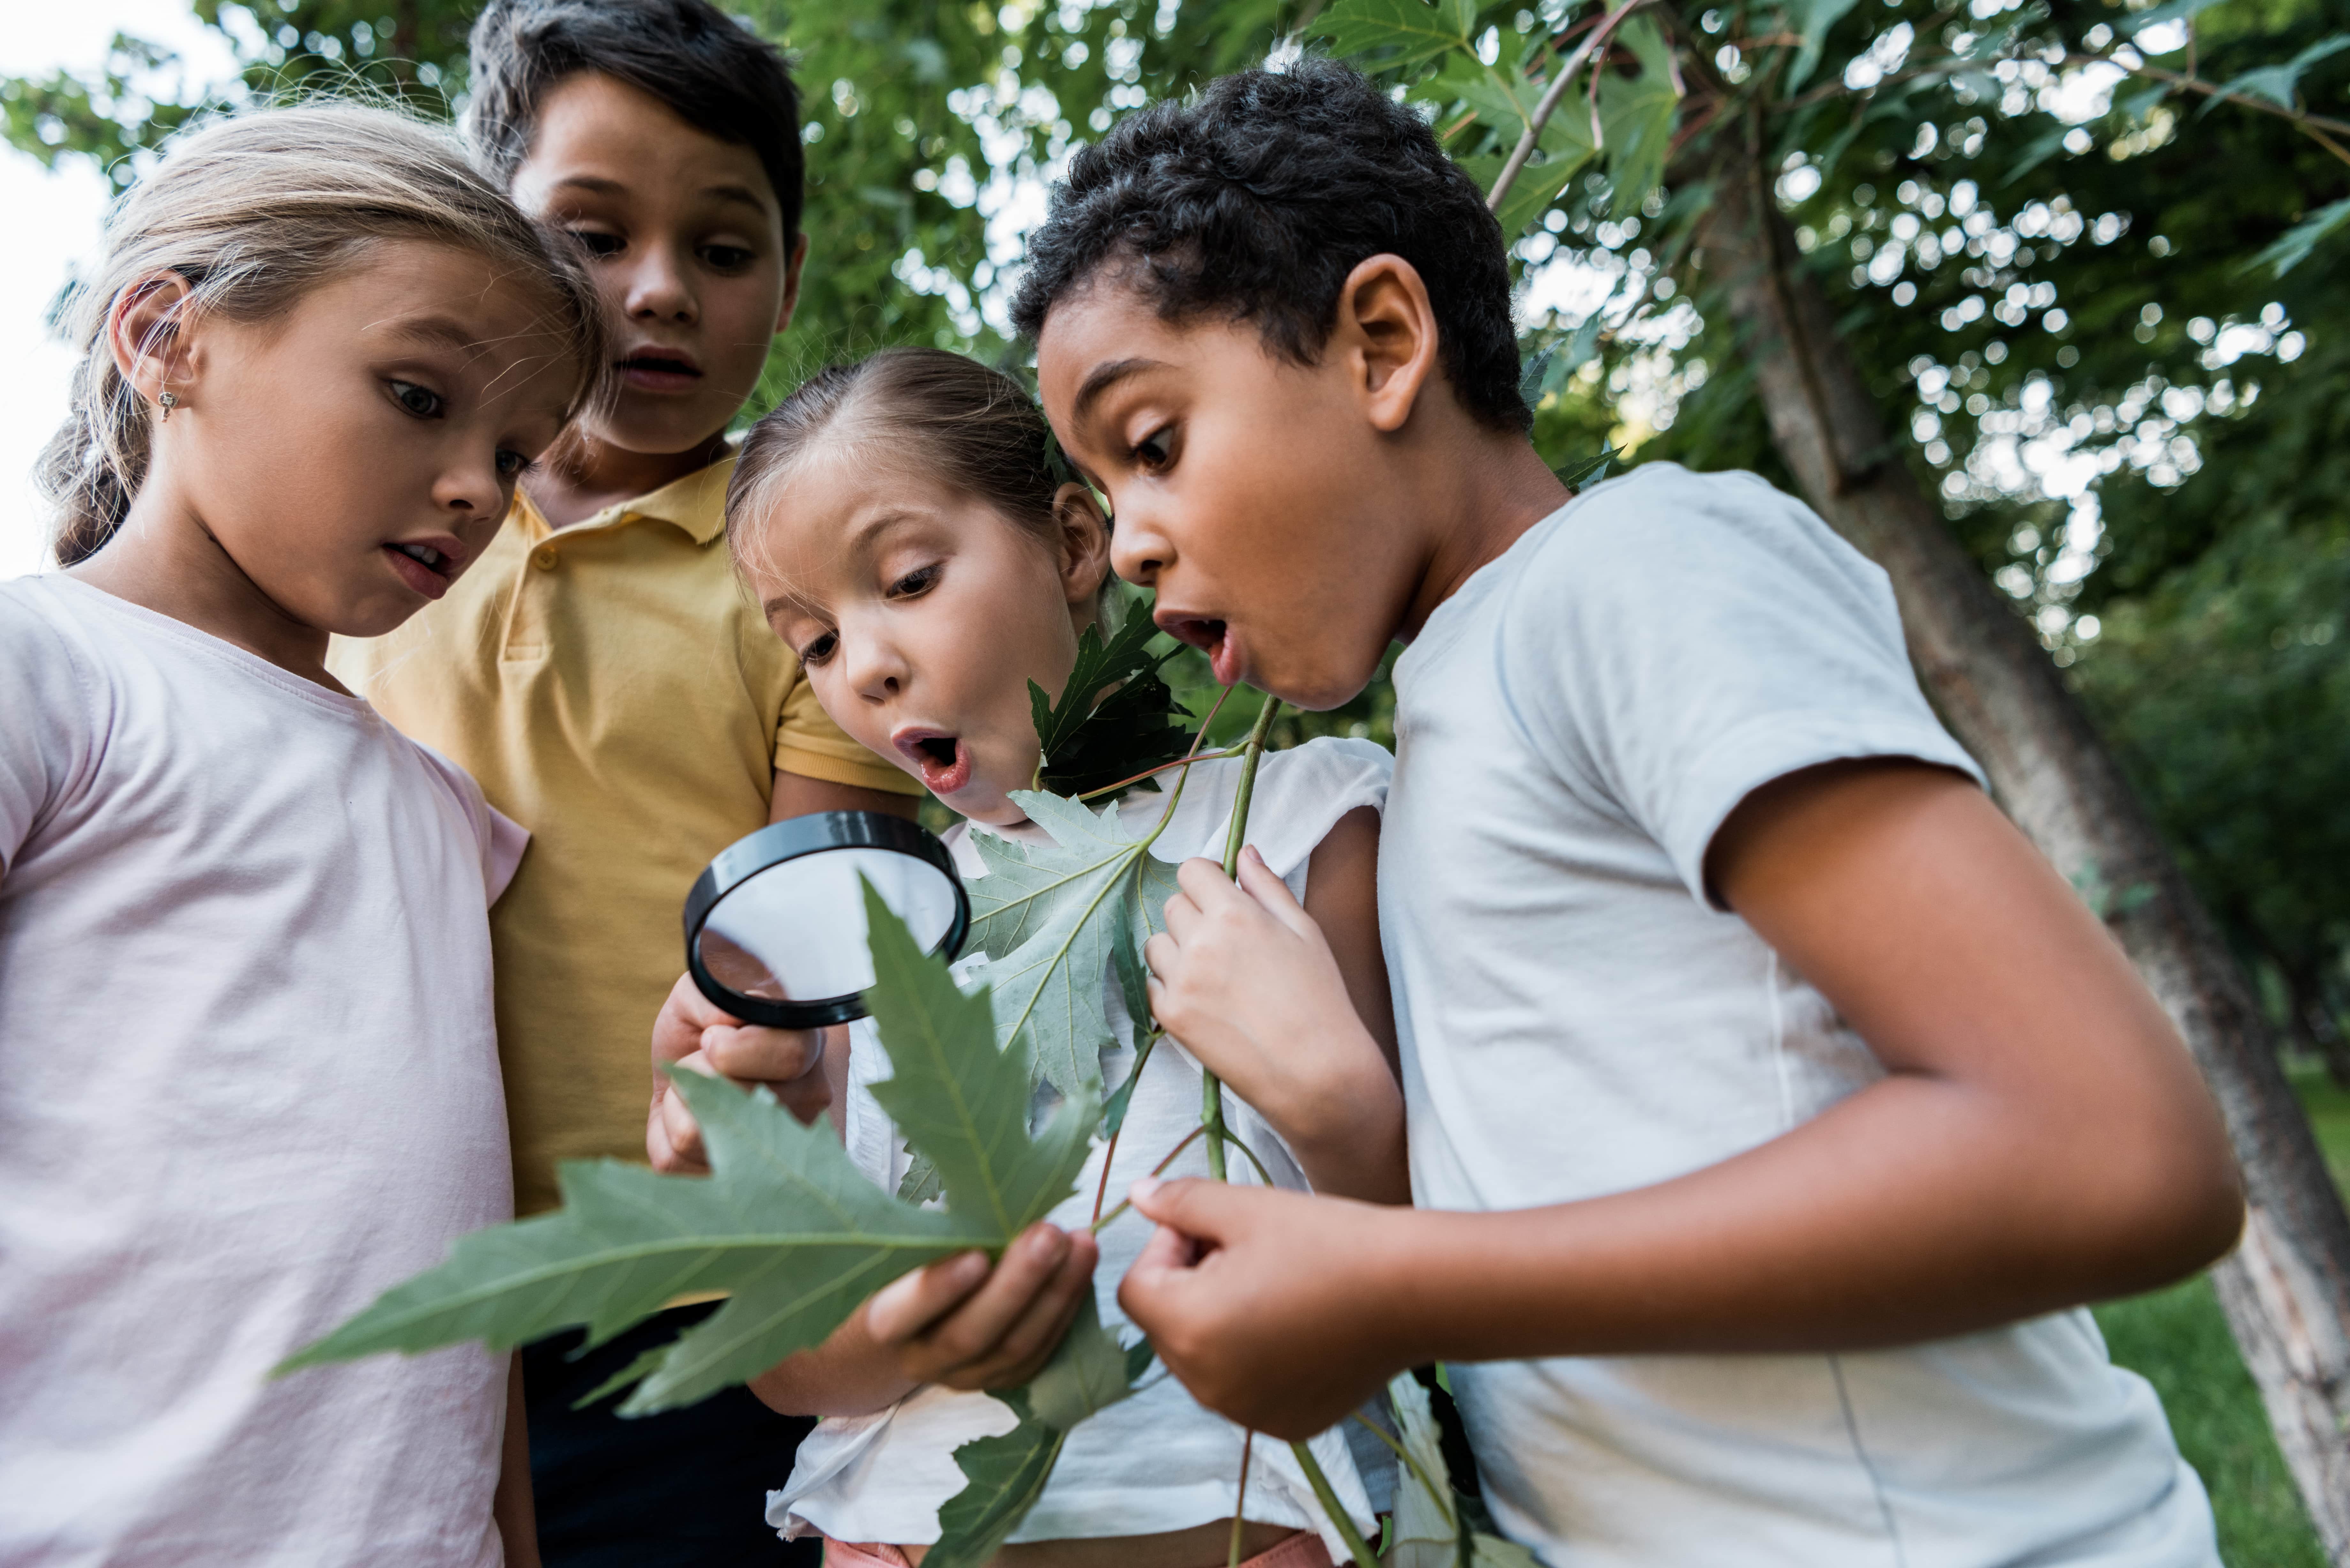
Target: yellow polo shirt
{"x": 615, "y": 690}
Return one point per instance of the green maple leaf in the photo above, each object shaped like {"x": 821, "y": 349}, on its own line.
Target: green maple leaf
{"x": 1405, "y": 33}
{"x": 785, "y": 1224}
{"x": 1046, "y": 917}
{"x": 1004, "y": 1475}
{"x": 1114, "y": 718}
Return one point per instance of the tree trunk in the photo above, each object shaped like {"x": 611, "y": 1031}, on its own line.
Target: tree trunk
{"x": 2286, "y": 1289}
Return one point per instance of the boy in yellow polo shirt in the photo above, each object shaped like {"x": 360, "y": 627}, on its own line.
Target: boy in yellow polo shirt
{"x": 603, "y": 676}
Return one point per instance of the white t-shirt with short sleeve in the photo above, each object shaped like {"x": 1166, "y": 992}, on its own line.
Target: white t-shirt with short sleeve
{"x": 248, "y": 1080}
{"x": 1578, "y": 1018}
{"x": 1159, "y": 1461}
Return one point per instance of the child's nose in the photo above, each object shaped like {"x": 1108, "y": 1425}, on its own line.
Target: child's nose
{"x": 658, "y": 289}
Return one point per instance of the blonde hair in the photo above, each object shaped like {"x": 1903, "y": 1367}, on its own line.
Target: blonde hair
{"x": 253, "y": 212}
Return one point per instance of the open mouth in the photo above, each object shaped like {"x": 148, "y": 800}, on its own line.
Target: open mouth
{"x": 943, "y": 761}
{"x": 424, "y": 567}
{"x": 653, "y": 370}
{"x": 1210, "y": 636}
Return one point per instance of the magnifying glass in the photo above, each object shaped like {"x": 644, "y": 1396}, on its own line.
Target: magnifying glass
{"x": 775, "y": 928}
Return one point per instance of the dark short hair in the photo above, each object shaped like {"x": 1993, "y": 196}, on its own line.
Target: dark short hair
{"x": 1255, "y": 200}
{"x": 715, "y": 74}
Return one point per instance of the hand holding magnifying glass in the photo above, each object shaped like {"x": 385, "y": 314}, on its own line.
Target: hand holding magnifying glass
{"x": 697, "y": 1035}
{"x": 775, "y": 949}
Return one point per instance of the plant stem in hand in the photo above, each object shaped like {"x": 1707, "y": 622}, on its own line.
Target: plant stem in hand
{"x": 1211, "y": 1088}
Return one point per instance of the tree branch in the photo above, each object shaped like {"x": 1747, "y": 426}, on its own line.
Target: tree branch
{"x": 1549, "y": 104}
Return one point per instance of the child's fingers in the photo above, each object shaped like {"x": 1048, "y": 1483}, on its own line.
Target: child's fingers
{"x": 1273, "y": 894}
{"x": 789, "y": 1062}
{"x": 673, "y": 1127}
{"x": 1203, "y": 1211}
{"x": 971, "y": 1332}
{"x": 750, "y": 1055}
{"x": 677, "y": 1032}
{"x": 1204, "y": 883}
{"x": 901, "y": 1309}
{"x": 1021, "y": 1352}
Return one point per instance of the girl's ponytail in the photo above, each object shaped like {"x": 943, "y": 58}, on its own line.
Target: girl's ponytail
{"x": 97, "y": 460}
{"x": 252, "y": 212}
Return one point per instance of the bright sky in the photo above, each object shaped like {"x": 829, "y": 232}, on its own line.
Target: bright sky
{"x": 53, "y": 223}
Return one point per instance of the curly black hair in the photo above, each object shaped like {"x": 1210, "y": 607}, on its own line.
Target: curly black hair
{"x": 1255, "y": 200}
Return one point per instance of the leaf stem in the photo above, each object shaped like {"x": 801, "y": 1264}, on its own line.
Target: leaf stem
{"x": 1142, "y": 1058}
{"x": 1182, "y": 761}
{"x": 1419, "y": 1472}
{"x": 1549, "y": 99}
{"x": 1127, "y": 1203}
{"x": 1345, "y": 1526}
{"x": 1240, "y": 1503}
{"x": 1211, "y": 1088}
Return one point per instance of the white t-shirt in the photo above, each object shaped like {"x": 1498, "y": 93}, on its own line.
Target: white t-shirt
{"x": 248, "y": 1080}
{"x": 1577, "y": 1019}
{"x": 1159, "y": 1461}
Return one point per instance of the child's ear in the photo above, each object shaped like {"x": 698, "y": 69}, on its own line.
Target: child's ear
{"x": 792, "y": 265}
{"x": 1386, "y": 336}
{"x": 148, "y": 333}
{"x": 1084, "y": 546}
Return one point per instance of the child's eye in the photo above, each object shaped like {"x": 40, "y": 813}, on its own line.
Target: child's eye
{"x": 1157, "y": 449}
{"x": 820, "y": 649}
{"x": 727, "y": 258}
{"x": 421, "y": 401}
{"x": 913, "y": 583}
{"x": 599, "y": 244}
{"x": 511, "y": 464}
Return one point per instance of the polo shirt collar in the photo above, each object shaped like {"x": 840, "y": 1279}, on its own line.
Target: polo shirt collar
{"x": 695, "y": 506}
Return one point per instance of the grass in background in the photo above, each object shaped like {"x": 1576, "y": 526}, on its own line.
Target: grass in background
{"x": 2177, "y": 1340}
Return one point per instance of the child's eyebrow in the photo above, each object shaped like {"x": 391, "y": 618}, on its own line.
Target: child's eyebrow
{"x": 727, "y": 190}
{"x": 442, "y": 331}
{"x": 1102, "y": 377}
{"x": 742, "y": 195}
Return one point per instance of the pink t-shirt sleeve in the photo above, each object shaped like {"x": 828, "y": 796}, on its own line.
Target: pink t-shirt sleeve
{"x": 501, "y": 850}
{"x": 502, "y": 839}
{"x": 46, "y": 717}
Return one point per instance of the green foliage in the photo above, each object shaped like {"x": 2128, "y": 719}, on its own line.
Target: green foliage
{"x": 796, "y": 1233}
{"x": 2177, "y": 1340}
{"x": 964, "y": 1107}
{"x": 1047, "y": 917}
{"x": 1004, "y": 1475}
{"x": 1115, "y": 716}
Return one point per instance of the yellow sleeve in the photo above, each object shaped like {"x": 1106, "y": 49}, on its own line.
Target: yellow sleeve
{"x": 808, "y": 742}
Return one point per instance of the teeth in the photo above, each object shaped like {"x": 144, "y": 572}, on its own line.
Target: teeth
{"x": 424, "y": 553}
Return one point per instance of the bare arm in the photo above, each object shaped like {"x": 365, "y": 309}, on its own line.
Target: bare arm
{"x": 1292, "y": 1014}
{"x": 798, "y": 797}
{"x": 512, "y": 1508}
{"x": 2041, "y": 1140}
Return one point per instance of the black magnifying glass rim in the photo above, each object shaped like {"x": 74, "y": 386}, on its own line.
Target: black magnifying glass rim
{"x": 790, "y": 840}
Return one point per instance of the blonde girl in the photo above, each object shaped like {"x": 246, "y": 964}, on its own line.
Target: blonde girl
{"x": 248, "y": 1073}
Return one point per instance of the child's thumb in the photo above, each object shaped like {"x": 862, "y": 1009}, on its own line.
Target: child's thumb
{"x": 1198, "y": 1208}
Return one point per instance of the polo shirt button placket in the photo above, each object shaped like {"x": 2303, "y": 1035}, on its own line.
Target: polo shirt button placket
{"x": 545, "y": 559}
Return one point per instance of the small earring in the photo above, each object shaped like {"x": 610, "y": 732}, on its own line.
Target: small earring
{"x": 171, "y": 401}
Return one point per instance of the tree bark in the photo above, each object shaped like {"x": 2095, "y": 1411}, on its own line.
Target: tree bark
{"x": 2286, "y": 1289}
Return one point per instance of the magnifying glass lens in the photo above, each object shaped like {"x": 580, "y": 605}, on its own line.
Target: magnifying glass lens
{"x": 775, "y": 928}
{"x": 795, "y": 931}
